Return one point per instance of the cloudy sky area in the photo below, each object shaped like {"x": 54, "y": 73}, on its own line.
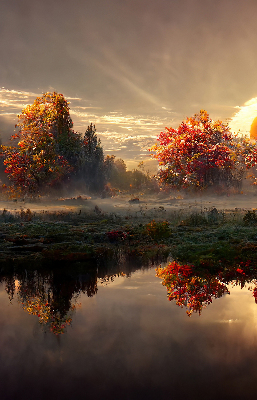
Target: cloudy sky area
{"x": 131, "y": 67}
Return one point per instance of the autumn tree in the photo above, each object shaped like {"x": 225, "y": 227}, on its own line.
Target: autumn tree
{"x": 30, "y": 171}
{"x": 48, "y": 149}
{"x": 49, "y": 115}
{"x": 202, "y": 153}
{"x": 51, "y": 296}
{"x": 40, "y": 158}
{"x": 195, "y": 288}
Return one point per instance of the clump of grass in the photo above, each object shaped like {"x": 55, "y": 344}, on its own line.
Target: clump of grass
{"x": 201, "y": 218}
{"x": 194, "y": 219}
{"x": 250, "y": 218}
{"x": 6, "y": 216}
{"x": 158, "y": 230}
{"x": 26, "y": 215}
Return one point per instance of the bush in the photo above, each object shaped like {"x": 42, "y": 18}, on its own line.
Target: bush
{"x": 158, "y": 230}
{"x": 250, "y": 218}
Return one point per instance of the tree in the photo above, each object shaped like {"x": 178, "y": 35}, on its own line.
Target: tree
{"x": 48, "y": 114}
{"x": 48, "y": 149}
{"x": 45, "y": 136}
{"x": 118, "y": 178}
{"x": 51, "y": 296}
{"x": 91, "y": 160}
{"x": 202, "y": 153}
{"x": 116, "y": 172}
{"x": 29, "y": 172}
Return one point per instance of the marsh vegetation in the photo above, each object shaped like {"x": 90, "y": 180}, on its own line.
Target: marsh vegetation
{"x": 84, "y": 230}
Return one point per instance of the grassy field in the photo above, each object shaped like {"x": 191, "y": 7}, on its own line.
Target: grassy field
{"x": 79, "y": 230}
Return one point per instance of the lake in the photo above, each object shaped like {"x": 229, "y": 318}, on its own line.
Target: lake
{"x": 112, "y": 335}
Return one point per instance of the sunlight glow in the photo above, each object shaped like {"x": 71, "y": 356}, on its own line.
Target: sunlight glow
{"x": 125, "y": 134}
{"x": 16, "y": 99}
{"x": 243, "y": 119}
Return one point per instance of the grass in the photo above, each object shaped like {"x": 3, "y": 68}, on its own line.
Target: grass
{"x": 189, "y": 236}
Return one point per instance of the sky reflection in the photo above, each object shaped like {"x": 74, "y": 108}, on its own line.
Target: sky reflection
{"x": 128, "y": 341}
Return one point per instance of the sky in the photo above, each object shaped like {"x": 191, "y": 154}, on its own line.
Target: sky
{"x": 131, "y": 67}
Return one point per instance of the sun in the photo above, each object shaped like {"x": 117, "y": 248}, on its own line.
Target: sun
{"x": 253, "y": 130}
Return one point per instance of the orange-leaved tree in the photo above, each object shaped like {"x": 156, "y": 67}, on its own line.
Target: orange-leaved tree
{"x": 203, "y": 153}
{"x": 48, "y": 149}
{"x": 45, "y": 137}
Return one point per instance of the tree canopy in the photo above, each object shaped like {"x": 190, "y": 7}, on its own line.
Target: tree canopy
{"x": 202, "y": 153}
{"x": 91, "y": 162}
{"x": 48, "y": 149}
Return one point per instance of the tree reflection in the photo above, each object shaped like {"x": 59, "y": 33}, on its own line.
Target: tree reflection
{"x": 10, "y": 287}
{"x": 196, "y": 289}
{"x": 53, "y": 295}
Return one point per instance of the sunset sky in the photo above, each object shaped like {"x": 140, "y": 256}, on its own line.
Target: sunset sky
{"x": 131, "y": 67}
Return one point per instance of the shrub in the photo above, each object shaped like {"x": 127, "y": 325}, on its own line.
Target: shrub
{"x": 250, "y": 218}
{"x": 158, "y": 230}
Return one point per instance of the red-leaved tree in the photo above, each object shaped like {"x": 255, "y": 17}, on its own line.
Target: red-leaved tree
{"x": 203, "y": 153}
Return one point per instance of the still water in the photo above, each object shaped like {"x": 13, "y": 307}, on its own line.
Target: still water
{"x": 118, "y": 337}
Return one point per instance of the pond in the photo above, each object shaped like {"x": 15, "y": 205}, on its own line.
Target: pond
{"x": 113, "y": 335}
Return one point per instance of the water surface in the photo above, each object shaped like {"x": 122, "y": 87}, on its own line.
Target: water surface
{"x": 121, "y": 338}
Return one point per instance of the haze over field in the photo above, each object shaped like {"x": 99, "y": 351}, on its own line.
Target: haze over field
{"x": 130, "y": 67}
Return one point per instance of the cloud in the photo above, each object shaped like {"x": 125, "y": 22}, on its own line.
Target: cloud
{"x": 243, "y": 118}
{"x": 16, "y": 99}
{"x": 126, "y": 135}
{"x": 251, "y": 102}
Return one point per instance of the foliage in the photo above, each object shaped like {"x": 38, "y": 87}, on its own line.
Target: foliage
{"x": 47, "y": 122}
{"x": 250, "y": 218}
{"x": 90, "y": 164}
{"x": 118, "y": 178}
{"x": 51, "y": 296}
{"x": 43, "y": 132}
{"x": 116, "y": 235}
{"x": 30, "y": 170}
{"x": 49, "y": 151}
{"x": 203, "y": 153}
{"x": 190, "y": 290}
{"x": 158, "y": 230}
{"x": 195, "y": 290}
{"x": 116, "y": 172}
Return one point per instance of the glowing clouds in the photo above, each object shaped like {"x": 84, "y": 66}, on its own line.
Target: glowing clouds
{"x": 126, "y": 135}
{"x": 243, "y": 120}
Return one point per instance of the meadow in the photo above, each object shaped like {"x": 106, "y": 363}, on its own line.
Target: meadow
{"x": 199, "y": 230}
